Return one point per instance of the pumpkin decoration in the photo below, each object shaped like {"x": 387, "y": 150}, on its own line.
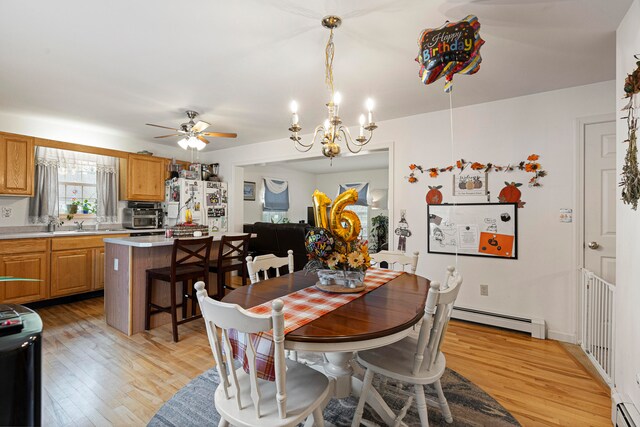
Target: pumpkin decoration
{"x": 511, "y": 194}
{"x": 434, "y": 196}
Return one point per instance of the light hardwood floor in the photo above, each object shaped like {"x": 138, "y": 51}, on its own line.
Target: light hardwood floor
{"x": 95, "y": 375}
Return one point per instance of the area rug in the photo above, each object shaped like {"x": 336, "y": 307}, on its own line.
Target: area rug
{"x": 470, "y": 406}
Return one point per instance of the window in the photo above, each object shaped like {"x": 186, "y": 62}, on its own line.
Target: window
{"x": 363, "y": 214}
{"x": 275, "y": 200}
{"x": 275, "y": 216}
{"x": 77, "y": 189}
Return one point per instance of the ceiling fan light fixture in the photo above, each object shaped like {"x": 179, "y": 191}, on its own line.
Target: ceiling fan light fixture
{"x": 199, "y": 145}
{"x": 183, "y": 144}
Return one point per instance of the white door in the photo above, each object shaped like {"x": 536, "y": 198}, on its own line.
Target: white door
{"x": 600, "y": 183}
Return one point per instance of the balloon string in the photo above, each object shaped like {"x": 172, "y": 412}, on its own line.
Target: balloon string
{"x": 453, "y": 160}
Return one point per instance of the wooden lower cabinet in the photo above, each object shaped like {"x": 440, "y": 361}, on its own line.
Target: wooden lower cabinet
{"x": 98, "y": 266}
{"x": 71, "y": 272}
{"x": 29, "y": 266}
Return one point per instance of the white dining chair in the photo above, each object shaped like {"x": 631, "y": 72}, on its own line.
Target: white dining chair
{"x": 242, "y": 399}
{"x": 416, "y": 361}
{"x": 396, "y": 260}
{"x": 265, "y": 262}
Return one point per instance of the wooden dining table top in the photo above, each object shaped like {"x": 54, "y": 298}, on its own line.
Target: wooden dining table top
{"x": 391, "y": 308}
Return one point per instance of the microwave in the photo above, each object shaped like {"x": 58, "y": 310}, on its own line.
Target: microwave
{"x": 142, "y": 218}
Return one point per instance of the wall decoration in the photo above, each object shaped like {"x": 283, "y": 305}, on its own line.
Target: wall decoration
{"x": 470, "y": 183}
{"x": 402, "y": 230}
{"x": 630, "y": 181}
{"x": 249, "y": 191}
{"x": 473, "y": 229}
{"x": 434, "y": 195}
{"x": 451, "y": 48}
{"x": 511, "y": 194}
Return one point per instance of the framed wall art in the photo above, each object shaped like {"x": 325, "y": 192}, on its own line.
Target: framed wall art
{"x": 470, "y": 183}
{"x": 473, "y": 229}
{"x": 249, "y": 191}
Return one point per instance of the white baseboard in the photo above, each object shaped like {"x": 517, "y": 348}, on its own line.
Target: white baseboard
{"x": 632, "y": 411}
{"x": 536, "y": 327}
{"x": 562, "y": 336}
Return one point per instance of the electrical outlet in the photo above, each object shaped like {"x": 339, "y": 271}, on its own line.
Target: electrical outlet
{"x": 115, "y": 264}
{"x": 7, "y": 212}
{"x": 484, "y": 290}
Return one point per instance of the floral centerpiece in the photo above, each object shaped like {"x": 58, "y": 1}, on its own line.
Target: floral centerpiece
{"x": 336, "y": 261}
{"x": 335, "y": 252}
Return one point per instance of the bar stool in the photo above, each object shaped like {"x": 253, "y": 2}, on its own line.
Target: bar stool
{"x": 231, "y": 257}
{"x": 189, "y": 262}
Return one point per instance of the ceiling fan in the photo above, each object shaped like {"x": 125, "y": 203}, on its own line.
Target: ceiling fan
{"x": 193, "y": 133}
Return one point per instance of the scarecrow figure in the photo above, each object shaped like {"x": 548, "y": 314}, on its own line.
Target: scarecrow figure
{"x": 403, "y": 232}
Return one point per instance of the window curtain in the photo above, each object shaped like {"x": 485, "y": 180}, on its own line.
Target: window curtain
{"x": 44, "y": 203}
{"x": 363, "y": 192}
{"x": 107, "y": 188}
{"x": 276, "y": 195}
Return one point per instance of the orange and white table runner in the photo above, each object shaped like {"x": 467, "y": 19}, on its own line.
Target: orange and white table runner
{"x": 300, "y": 307}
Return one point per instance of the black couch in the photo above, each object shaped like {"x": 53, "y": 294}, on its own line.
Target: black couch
{"x": 277, "y": 239}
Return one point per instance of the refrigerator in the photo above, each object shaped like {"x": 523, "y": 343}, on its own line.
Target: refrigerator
{"x": 207, "y": 201}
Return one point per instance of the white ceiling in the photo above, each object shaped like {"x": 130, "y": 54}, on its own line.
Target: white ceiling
{"x": 366, "y": 160}
{"x": 120, "y": 64}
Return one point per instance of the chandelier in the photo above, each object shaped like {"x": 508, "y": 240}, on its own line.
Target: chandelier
{"x": 332, "y": 131}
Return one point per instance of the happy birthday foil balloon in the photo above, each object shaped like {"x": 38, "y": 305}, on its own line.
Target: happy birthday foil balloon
{"x": 453, "y": 48}
{"x": 338, "y": 217}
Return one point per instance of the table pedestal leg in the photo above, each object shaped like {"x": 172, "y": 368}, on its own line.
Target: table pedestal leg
{"x": 339, "y": 368}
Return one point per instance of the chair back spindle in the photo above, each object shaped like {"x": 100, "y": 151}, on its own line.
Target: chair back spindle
{"x": 396, "y": 260}
{"x": 221, "y": 317}
{"x": 438, "y": 311}
{"x": 264, "y": 263}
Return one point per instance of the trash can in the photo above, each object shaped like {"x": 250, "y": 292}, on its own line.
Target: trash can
{"x": 20, "y": 366}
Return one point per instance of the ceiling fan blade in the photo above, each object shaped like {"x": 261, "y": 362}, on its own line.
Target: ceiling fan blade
{"x": 221, "y": 134}
{"x": 163, "y": 127}
{"x": 167, "y": 136}
{"x": 200, "y": 126}
{"x": 203, "y": 139}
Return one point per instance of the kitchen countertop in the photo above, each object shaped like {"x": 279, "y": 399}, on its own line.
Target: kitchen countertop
{"x": 156, "y": 241}
{"x": 67, "y": 233}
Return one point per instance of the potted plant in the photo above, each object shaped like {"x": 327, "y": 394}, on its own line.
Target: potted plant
{"x": 88, "y": 207}
{"x": 379, "y": 232}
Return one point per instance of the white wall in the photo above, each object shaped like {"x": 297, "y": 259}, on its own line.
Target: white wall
{"x": 67, "y": 131}
{"x": 301, "y": 185}
{"x": 542, "y": 282}
{"x": 627, "y": 298}
{"x": 328, "y": 183}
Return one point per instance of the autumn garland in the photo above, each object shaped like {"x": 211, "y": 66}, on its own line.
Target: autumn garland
{"x": 530, "y": 165}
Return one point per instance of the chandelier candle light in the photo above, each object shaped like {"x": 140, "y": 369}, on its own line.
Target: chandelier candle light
{"x": 332, "y": 131}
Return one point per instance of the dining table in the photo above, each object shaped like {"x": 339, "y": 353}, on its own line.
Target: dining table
{"x": 377, "y": 318}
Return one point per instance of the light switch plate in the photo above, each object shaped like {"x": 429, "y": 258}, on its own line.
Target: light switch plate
{"x": 115, "y": 264}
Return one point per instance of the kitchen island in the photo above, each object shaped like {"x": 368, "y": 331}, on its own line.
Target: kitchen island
{"x": 126, "y": 261}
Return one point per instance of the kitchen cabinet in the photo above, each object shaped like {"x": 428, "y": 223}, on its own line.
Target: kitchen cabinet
{"x": 29, "y": 259}
{"x": 142, "y": 178}
{"x": 98, "y": 267}
{"x": 17, "y": 156}
{"x": 71, "y": 272}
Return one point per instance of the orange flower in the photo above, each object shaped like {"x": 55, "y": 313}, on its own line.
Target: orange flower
{"x": 433, "y": 173}
{"x": 532, "y": 167}
{"x": 459, "y": 164}
{"x": 412, "y": 179}
{"x": 533, "y": 157}
{"x": 412, "y": 166}
{"x": 477, "y": 166}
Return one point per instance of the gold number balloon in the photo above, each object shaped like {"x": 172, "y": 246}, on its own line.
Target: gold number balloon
{"x": 320, "y": 203}
{"x": 338, "y": 216}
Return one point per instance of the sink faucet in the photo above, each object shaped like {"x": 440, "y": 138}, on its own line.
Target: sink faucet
{"x": 79, "y": 225}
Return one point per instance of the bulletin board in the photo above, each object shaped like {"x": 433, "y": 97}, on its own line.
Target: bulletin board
{"x": 473, "y": 229}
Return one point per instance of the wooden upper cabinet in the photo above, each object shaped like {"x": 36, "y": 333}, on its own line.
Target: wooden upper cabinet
{"x": 16, "y": 165}
{"x": 142, "y": 178}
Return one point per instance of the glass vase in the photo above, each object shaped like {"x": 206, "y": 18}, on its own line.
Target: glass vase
{"x": 347, "y": 278}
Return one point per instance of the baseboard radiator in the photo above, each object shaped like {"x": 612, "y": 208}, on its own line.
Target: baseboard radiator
{"x": 597, "y": 326}
{"x": 626, "y": 415}
{"x": 535, "y": 327}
